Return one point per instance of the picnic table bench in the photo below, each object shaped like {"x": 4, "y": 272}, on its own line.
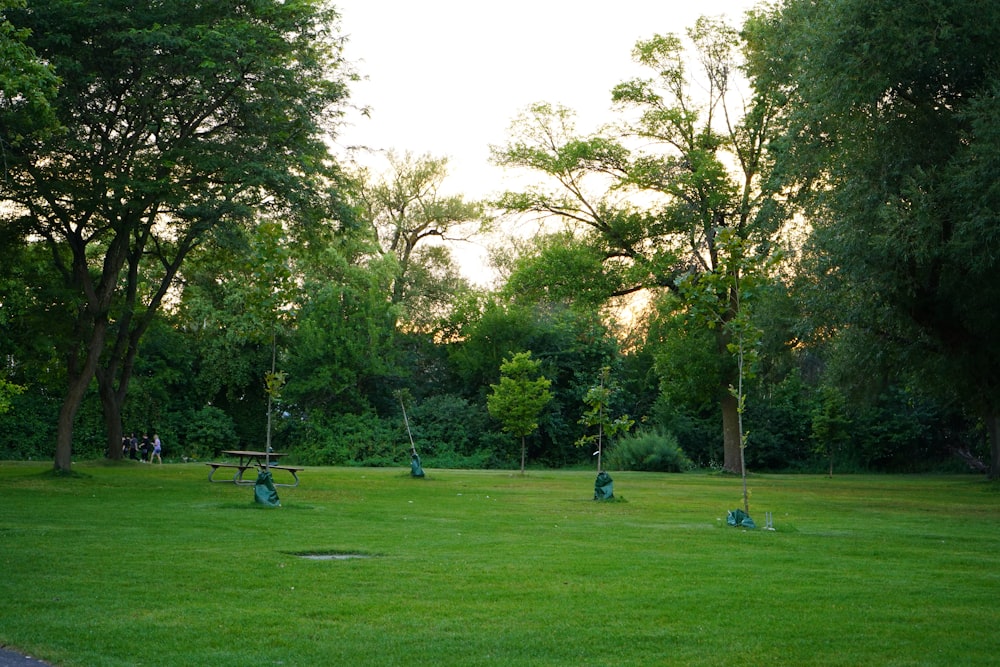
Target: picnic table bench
{"x": 294, "y": 470}
{"x": 237, "y": 477}
{"x": 248, "y": 460}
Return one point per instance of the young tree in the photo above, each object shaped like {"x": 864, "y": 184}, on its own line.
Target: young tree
{"x": 598, "y": 398}
{"x": 722, "y": 301}
{"x": 179, "y": 119}
{"x": 520, "y": 397}
{"x": 891, "y": 135}
{"x": 830, "y": 425}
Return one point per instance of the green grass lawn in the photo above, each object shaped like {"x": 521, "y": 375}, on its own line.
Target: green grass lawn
{"x": 130, "y": 564}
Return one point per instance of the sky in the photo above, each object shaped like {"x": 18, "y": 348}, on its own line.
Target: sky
{"x": 447, "y": 77}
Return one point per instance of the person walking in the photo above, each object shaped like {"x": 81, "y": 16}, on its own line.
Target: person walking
{"x": 156, "y": 449}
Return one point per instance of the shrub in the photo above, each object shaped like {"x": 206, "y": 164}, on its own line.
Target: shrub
{"x": 28, "y": 429}
{"x": 649, "y": 451}
{"x": 348, "y": 439}
{"x": 210, "y": 431}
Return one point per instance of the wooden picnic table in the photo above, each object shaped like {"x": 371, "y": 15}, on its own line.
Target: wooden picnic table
{"x": 251, "y": 459}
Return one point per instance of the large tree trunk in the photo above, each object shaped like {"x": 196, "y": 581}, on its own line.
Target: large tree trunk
{"x": 112, "y": 409}
{"x": 993, "y": 426}
{"x": 731, "y": 445}
{"x": 67, "y": 414}
{"x": 78, "y": 383}
{"x": 730, "y": 433}
{"x": 113, "y": 397}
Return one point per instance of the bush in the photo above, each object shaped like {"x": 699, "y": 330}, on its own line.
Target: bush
{"x": 28, "y": 429}
{"x": 209, "y": 432}
{"x": 649, "y": 451}
{"x": 348, "y": 439}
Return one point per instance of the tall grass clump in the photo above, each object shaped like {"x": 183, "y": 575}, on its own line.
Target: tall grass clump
{"x": 649, "y": 450}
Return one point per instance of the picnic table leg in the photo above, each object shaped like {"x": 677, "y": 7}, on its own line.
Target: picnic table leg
{"x": 295, "y": 475}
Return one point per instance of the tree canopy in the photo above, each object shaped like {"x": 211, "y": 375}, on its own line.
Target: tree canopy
{"x": 889, "y": 137}
{"x": 177, "y": 120}
{"x": 408, "y": 213}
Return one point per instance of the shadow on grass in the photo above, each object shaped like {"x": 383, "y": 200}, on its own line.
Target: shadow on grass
{"x": 258, "y": 507}
{"x": 331, "y": 554}
{"x": 60, "y": 475}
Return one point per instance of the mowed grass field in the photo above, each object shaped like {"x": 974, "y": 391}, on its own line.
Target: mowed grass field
{"x": 128, "y": 564}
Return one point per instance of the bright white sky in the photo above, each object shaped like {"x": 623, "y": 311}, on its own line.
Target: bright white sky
{"x": 447, "y": 77}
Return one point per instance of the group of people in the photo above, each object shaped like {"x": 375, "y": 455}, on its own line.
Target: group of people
{"x": 144, "y": 450}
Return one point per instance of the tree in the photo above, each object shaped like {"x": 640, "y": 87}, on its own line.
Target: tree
{"x": 342, "y": 354}
{"x": 571, "y": 344}
{"x": 890, "y": 135}
{"x": 721, "y": 301}
{"x": 179, "y": 120}
{"x": 698, "y": 168}
{"x": 520, "y": 397}
{"x": 830, "y": 424}
{"x": 599, "y": 399}
{"x": 408, "y": 210}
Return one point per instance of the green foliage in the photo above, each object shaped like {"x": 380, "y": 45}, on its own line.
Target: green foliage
{"x": 521, "y": 395}
{"x": 649, "y": 450}
{"x": 561, "y": 268}
{"x": 889, "y": 138}
{"x": 274, "y": 382}
{"x": 779, "y": 412}
{"x": 830, "y": 424}
{"x": 697, "y": 431}
{"x": 348, "y": 439}
{"x": 572, "y": 345}
{"x": 408, "y": 212}
{"x": 342, "y": 349}
{"x": 599, "y": 399}
{"x": 685, "y": 358}
{"x": 210, "y": 431}
{"x": 448, "y": 431}
{"x": 517, "y": 402}
{"x": 27, "y": 430}
{"x": 29, "y": 86}
{"x": 8, "y": 390}
{"x": 177, "y": 120}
